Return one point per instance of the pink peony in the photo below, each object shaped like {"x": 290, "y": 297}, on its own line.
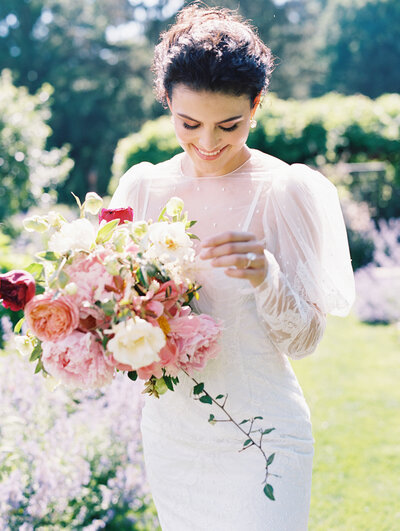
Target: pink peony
{"x": 52, "y": 319}
{"x": 196, "y": 337}
{"x": 90, "y": 275}
{"x": 78, "y": 361}
{"x": 16, "y": 289}
{"x": 168, "y": 294}
{"x": 169, "y": 356}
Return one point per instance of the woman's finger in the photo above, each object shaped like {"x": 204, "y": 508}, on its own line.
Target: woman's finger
{"x": 226, "y": 237}
{"x": 238, "y": 247}
{"x": 240, "y": 261}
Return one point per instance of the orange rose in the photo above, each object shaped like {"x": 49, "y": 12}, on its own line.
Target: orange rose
{"x": 51, "y": 319}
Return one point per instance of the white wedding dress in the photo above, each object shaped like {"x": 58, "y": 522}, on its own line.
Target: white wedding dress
{"x": 199, "y": 480}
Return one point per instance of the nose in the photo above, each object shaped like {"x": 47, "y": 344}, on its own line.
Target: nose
{"x": 209, "y": 139}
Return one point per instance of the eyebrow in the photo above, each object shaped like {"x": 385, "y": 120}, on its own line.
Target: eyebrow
{"x": 222, "y": 122}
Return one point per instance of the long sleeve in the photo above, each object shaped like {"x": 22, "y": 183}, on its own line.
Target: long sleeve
{"x": 309, "y": 267}
{"x": 294, "y": 325}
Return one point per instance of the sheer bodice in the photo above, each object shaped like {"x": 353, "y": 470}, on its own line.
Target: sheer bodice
{"x": 197, "y": 476}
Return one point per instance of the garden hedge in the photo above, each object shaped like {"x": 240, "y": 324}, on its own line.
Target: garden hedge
{"x": 321, "y": 132}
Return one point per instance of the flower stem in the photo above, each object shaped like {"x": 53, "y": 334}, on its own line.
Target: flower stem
{"x": 248, "y": 433}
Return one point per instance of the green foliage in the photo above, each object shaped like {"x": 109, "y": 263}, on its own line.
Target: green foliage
{"x": 101, "y": 82}
{"x": 320, "y": 132}
{"x": 358, "y": 46}
{"x": 154, "y": 143}
{"x": 26, "y": 166}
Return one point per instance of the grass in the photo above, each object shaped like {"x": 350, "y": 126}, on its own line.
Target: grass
{"x": 352, "y": 385}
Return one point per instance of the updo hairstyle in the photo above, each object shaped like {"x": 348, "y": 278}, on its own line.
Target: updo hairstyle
{"x": 211, "y": 49}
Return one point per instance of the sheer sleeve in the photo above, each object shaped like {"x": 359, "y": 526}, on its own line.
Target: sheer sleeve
{"x": 309, "y": 267}
{"x": 132, "y": 190}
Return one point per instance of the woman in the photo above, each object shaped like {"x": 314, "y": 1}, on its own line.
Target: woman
{"x": 273, "y": 261}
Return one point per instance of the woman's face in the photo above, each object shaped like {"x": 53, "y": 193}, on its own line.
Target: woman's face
{"x": 212, "y": 128}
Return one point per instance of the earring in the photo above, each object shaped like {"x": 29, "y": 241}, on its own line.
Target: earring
{"x": 253, "y": 123}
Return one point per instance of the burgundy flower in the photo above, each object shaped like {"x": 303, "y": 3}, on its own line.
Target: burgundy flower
{"x": 123, "y": 214}
{"x": 16, "y": 289}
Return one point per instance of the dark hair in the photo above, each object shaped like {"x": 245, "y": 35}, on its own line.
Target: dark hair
{"x": 211, "y": 49}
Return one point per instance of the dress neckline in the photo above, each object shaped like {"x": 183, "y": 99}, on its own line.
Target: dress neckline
{"x": 185, "y": 176}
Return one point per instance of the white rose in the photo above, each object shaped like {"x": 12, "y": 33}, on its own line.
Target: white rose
{"x": 169, "y": 242}
{"x": 79, "y": 234}
{"x": 136, "y": 342}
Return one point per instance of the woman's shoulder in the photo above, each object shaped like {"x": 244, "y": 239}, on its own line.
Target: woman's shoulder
{"x": 286, "y": 177}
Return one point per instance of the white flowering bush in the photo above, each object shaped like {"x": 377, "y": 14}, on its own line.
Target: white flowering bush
{"x": 69, "y": 459}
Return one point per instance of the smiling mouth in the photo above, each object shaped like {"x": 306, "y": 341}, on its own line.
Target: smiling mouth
{"x": 209, "y": 154}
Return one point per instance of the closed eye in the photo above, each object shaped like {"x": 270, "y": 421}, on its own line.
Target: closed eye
{"x": 187, "y": 126}
{"x": 228, "y": 129}
{"x": 232, "y": 128}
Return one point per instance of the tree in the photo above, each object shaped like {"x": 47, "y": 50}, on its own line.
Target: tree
{"x": 28, "y": 171}
{"x": 358, "y": 47}
{"x": 101, "y": 88}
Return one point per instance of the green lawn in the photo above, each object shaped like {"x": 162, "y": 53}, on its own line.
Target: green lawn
{"x": 352, "y": 384}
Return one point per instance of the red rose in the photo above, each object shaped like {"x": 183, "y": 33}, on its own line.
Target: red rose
{"x": 16, "y": 289}
{"x": 123, "y": 214}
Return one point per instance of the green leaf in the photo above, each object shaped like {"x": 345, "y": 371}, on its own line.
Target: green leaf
{"x": 244, "y": 421}
{"x": 63, "y": 279}
{"x": 269, "y": 491}
{"x": 77, "y": 200}
{"x": 197, "y": 389}
{"x": 36, "y": 352}
{"x": 132, "y": 375}
{"x": 17, "y": 327}
{"x": 106, "y": 232}
{"x": 246, "y": 443}
{"x": 211, "y": 418}
{"x": 36, "y": 270}
{"x": 206, "y": 399}
{"x": 190, "y": 224}
{"x": 161, "y": 216}
{"x": 219, "y": 396}
{"x": 39, "y": 289}
{"x": 258, "y": 418}
{"x": 270, "y": 459}
{"x": 168, "y": 382}
{"x": 48, "y": 255}
{"x": 193, "y": 236}
{"x": 265, "y": 432}
{"x": 38, "y": 367}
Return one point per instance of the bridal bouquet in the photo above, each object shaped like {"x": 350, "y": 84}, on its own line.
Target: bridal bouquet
{"x": 116, "y": 297}
{"x": 112, "y": 298}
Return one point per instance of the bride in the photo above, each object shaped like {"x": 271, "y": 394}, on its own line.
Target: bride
{"x": 272, "y": 262}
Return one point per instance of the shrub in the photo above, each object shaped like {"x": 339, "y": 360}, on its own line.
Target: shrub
{"x": 378, "y": 284}
{"x": 26, "y": 166}
{"x": 320, "y": 132}
{"x": 69, "y": 459}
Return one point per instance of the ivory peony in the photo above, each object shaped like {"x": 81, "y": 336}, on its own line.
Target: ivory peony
{"x": 169, "y": 242}
{"x": 136, "y": 343}
{"x": 79, "y": 234}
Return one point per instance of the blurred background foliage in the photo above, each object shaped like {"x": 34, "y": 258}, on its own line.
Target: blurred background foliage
{"x": 96, "y": 56}
{"x": 77, "y": 110}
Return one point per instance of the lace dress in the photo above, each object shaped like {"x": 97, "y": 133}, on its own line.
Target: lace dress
{"x": 198, "y": 479}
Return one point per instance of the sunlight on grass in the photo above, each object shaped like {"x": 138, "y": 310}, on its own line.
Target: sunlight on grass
{"x": 352, "y": 387}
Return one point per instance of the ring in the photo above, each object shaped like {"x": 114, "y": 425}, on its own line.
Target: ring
{"x": 250, "y": 257}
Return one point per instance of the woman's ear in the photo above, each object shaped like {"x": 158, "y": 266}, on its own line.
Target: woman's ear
{"x": 256, "y": 103}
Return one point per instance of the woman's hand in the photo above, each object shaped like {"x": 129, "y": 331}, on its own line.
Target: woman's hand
{"x": 231, "y": 250}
